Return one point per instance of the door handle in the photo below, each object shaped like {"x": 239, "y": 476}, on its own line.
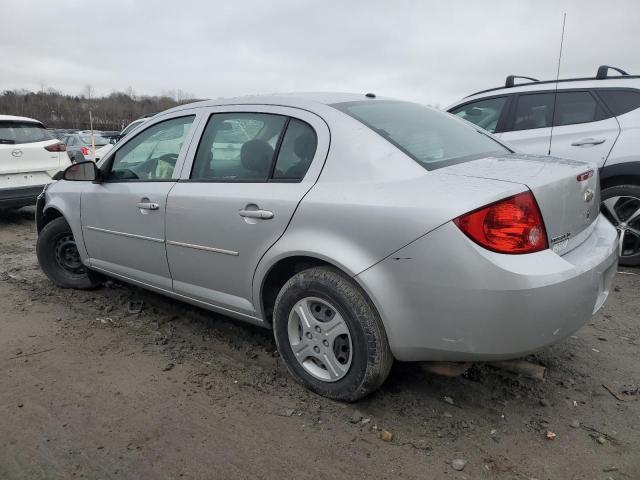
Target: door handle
{"x": 262, "y": 214}
{"x": 148, "y": 206}
{"x": 588, "y": 141}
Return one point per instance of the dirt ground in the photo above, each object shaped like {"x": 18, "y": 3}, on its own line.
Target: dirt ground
{"x": 90, "y": 390}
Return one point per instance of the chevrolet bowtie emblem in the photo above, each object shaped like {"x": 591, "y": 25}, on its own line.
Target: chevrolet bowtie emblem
{"x": 588, "y": 195}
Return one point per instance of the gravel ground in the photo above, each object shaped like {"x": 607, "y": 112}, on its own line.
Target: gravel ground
{"x": 92, "y": 389}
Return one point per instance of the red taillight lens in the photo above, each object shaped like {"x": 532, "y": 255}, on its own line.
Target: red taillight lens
{"x": 56, "y": 147}
{"x": 84, "y": 150}
{"x": 512, "y": 225}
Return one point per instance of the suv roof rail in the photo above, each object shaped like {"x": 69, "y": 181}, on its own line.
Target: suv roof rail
{"x": 510, "y": 81}
{"x": 603, "y": 71}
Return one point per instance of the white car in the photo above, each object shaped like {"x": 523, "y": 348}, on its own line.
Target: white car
{"x": 29, "y": 158}
{"x": 594, "y": 119}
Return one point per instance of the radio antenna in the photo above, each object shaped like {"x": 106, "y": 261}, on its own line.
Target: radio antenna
{"x": 555, "y": 94}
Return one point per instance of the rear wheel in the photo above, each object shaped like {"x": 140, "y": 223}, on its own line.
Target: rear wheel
{"x": 621, "y": 205}
{"x": 59, "y": 257}
{"x": 330, "y": 335}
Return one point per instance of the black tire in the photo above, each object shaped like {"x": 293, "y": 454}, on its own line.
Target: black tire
{"x": 631, "y": 247}
{"x": 55, "y": 250}
{"x": 371, "y": 357}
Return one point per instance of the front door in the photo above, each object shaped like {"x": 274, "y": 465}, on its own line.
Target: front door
{"x": 123, "y": 217}
{"x": 249, "y": 173}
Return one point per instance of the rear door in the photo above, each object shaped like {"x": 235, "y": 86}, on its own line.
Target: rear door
{"x": 123, "y": 217}
{"x": 251, "y": 168}
{"x": 583, "y": 128}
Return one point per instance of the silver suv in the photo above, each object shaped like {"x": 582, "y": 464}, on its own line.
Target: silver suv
{"x": 594, "y": 119}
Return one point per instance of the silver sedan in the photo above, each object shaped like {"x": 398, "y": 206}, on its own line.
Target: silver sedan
{"x": 360, "y": 229}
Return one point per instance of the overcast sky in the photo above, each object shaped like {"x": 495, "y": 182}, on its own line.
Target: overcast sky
{"x": 428, "y": 51}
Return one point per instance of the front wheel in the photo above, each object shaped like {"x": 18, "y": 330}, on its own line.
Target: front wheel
{"x": 621, "y": 205}
{"x": 59, "y": 258}
{"x": 330, "y": 335}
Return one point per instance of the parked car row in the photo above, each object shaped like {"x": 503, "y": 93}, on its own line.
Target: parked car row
{"x": 360, "y": 229}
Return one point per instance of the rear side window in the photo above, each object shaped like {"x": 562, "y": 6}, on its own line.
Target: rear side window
{"x": 15, "y": 133}
{"x": 238, "y": 147}
{"x": 296, "y": 152}
{"x": 483, "y": 113}
{"x": 433, "y": 139}
{"x": 577, "y": 107}
{"x": 620, "y": 101}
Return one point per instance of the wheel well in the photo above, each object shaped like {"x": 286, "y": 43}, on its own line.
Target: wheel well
{"x": 278, "y": 276}
{"x": 49, "y": 215}
{"x": 620, "y": 180}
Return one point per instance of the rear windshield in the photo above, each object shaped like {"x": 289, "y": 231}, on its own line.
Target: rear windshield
{"x": 86, "y": 139}
{"x": 433, "y": 139}
{"x": 15, "y": 133}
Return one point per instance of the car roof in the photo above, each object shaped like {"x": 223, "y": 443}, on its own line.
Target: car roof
{"x": 303, "y": 100}
{"x": 19, "y": 119}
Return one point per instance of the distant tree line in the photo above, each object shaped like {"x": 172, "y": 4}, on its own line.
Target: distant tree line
{"x": 111, "y": 112}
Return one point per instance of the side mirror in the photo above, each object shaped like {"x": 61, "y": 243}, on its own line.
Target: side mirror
{"x": 82, "y": 172}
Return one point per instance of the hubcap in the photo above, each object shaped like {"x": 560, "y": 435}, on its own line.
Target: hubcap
{"x": 320, "y": 339}
{"x": 624, "y": 213}
{"x": 67, "y": 255}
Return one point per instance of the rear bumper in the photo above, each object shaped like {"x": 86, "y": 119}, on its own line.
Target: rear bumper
{"x": 445, "y": 298}
{"x": 20, "y": 196}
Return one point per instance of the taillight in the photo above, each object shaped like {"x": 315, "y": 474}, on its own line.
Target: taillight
{"x": 56, "y": 147}
{"x": 84, "y": 150}
{"x": 512, "y": 225}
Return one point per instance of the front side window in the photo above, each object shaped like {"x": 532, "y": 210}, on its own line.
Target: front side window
{"x": 533, "y": 111}
{"x": 483, "y": 113}
{"x": 152, "y": 154}
{"x": 238, "y": 147}
{"x": 16, "y": 133}
{"x": 433, "y": 139}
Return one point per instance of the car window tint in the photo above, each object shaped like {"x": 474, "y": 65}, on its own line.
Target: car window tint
{"x": 152, "y": 154}
{"x": 433, "y": 139}
{"x": 17, "y": 132}
{"x": 620, "y": 101}
{"x": 484, "y": 113}
{"x": 533, "y": 111}
{"x": 296, "y": 152}
{"x": 238, "y": 147}
{"x": 577, "y": 107}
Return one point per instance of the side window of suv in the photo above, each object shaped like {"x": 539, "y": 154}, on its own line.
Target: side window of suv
{"x": 152, "y": 154}
{"x": 483, "y": 113}
{"x": 533, "y": 111}
{"x": 620, "y": 101}
{"x": 577, "y": 107}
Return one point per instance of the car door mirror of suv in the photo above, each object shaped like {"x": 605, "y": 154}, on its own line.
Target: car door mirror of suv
{"x": 82, "y": 172}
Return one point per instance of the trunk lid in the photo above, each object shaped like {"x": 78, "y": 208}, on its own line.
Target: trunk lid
{"x": 569, "y": 206}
